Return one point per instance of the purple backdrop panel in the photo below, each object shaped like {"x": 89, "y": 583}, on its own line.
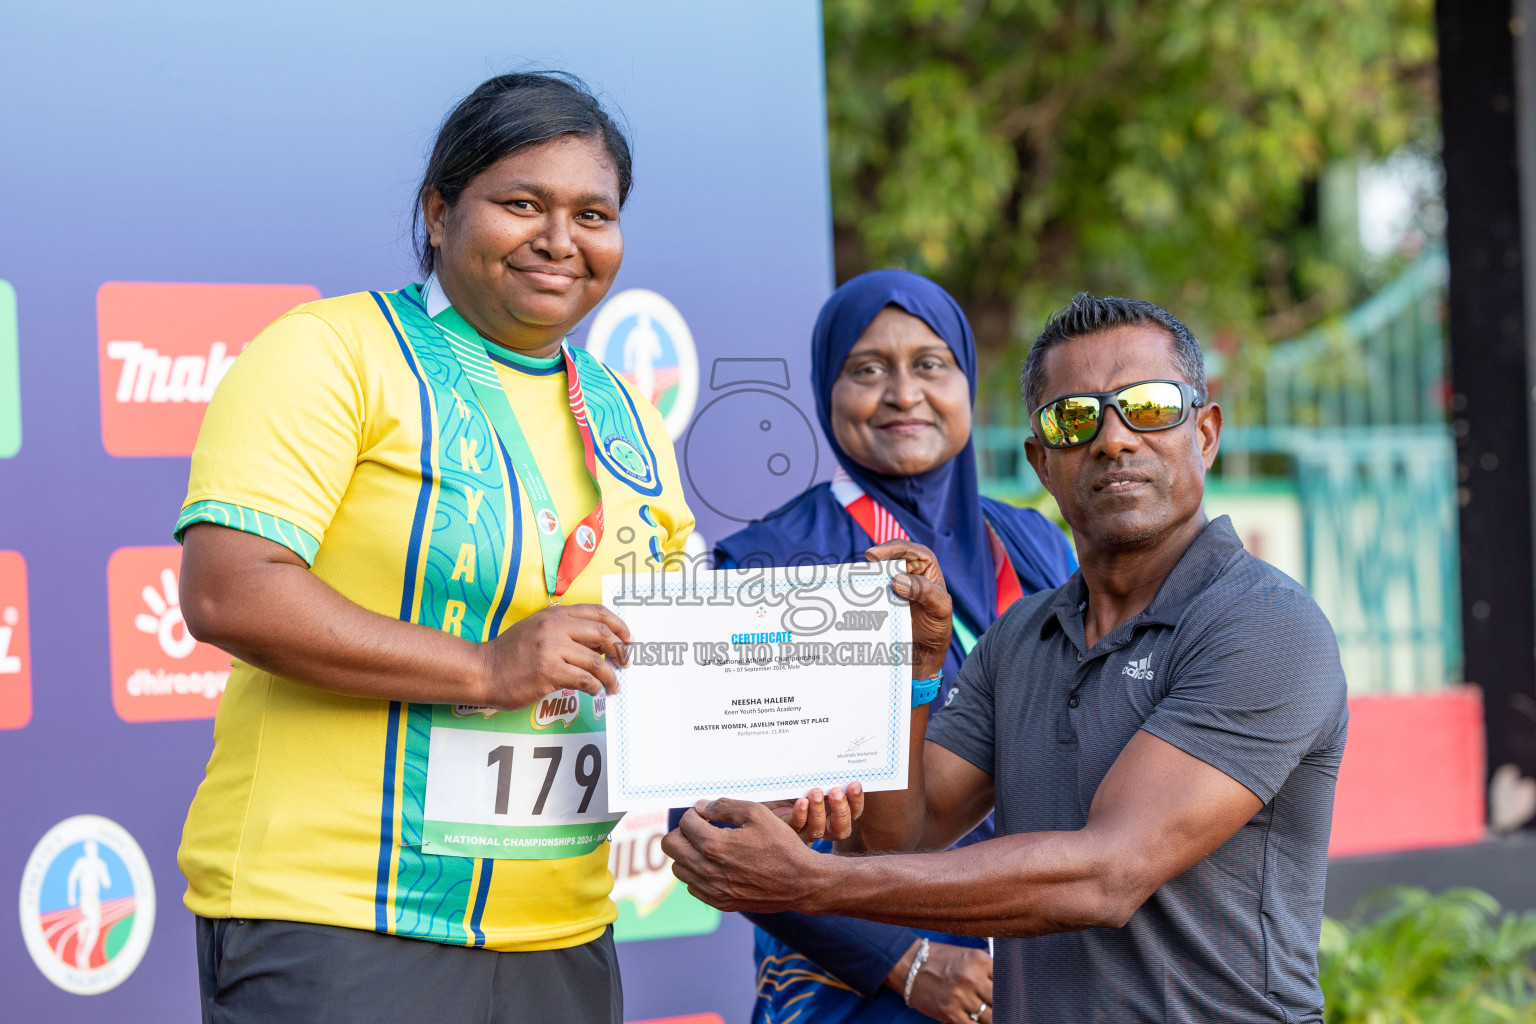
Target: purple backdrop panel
{"x": 263, "y": 152}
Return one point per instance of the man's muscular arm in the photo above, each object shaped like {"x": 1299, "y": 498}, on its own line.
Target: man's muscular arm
{"x": 946, "y": 797}
{"x": 1158, "y": 812}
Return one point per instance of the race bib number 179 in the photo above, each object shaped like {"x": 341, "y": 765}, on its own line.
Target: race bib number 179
{"x": 521, "y": 785}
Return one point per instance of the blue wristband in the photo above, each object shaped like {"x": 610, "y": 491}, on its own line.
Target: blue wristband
{"x": 924, "y": 690}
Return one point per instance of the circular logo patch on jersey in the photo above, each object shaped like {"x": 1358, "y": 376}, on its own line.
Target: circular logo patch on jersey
{"x": 625, "y": 454}
{"x": 548, "y": 521}
{"x": 87, "y": 904}
{"x": 647, "y": 342}
{"x": 586, "y": 538}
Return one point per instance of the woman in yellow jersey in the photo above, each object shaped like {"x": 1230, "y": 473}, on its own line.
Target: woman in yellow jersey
{"x": 400, "y": 509}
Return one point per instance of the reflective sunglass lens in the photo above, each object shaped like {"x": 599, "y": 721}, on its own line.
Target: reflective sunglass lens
{"x": 1152, "y": 406}
{"x": 1071, "y": 420}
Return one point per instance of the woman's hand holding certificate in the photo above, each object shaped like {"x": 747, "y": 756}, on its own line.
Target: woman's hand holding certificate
{"x": 932, "y": 610}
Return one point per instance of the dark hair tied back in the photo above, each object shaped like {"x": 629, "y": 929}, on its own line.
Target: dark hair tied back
{"x": 503, "y": 115}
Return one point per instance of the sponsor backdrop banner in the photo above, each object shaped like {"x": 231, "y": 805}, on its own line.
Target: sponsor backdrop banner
{"x": 180, "y": 174}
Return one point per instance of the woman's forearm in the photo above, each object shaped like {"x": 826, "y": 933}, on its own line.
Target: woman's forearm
{"x": 262, "y": 604}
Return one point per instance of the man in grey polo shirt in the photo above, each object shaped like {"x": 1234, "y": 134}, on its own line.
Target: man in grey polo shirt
{"x": 1160, "y": 736}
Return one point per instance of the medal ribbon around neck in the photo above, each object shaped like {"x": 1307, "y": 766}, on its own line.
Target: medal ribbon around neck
{"x": 877, "y": 521}
{"x": 563, "y": 561}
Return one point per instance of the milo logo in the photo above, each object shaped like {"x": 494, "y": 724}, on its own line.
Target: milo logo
{"x": 560, "y": 706}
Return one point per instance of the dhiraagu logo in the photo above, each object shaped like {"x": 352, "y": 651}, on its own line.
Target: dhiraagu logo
{"x": 10, "y": 375}
{"x": 652, "y": 903}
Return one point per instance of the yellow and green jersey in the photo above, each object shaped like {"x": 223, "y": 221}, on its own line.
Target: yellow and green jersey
{"x": 348, "y": 432}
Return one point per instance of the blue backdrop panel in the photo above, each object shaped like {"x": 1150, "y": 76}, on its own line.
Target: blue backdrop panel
{"x": 280, "y": 142}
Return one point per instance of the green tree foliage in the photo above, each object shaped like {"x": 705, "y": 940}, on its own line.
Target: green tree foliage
{"x": 1019, "y": 150}
{"x": 1422, "y": 959}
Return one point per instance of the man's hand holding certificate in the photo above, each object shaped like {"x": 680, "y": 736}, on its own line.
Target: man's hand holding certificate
{"x": 762, "y": 864}
{"x": 763, "y": 684}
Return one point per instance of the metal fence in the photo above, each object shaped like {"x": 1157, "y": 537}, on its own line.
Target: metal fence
{"x": 1353, "y": 416}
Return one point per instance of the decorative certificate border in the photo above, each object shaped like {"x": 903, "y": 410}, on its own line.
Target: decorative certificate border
{"x": 897, "y": 706}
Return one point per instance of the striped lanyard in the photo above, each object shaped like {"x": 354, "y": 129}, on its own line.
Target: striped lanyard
{"x": 564, "y": 556}
{"x": 877, "y": 521}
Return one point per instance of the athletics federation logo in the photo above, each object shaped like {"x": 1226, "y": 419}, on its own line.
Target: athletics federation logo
{"x": 647, "y": 341}
{"x": 87, "y": 904}
{"x": 15, "y": 652}
{"x": 586, "y": 538}
{"x": 163, "y": 348}
{"x": 1139, "y": 669}
{"x": 159, "y": 670}
{"x": 548, "y": 521}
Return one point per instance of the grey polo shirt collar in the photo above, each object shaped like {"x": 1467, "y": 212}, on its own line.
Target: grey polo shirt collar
{"x": 1202, "y": 560}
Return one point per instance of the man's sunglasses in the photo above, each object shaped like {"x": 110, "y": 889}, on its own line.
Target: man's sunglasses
{"x": 1145, "y": 406}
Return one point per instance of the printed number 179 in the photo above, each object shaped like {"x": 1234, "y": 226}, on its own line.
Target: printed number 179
{"x": 589, "y": 769}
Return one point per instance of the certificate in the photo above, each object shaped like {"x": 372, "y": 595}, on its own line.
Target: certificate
{"x": 759, "y": 684}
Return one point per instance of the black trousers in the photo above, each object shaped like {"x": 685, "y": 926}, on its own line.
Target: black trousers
{"x": 283, "y": 972}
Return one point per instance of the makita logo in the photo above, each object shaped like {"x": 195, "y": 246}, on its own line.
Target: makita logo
{"x": 1139, "y": 669}
{"x": 148, "y": 376}
{"x": 162, "y": 350}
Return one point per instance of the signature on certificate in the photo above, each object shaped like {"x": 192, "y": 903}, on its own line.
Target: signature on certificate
{"x": 859, "y": 744}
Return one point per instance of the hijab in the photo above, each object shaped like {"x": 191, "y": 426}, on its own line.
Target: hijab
{"x": 942, "y": 508}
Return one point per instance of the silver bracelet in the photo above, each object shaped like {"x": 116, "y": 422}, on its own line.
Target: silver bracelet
{"x": 917, "y": 965}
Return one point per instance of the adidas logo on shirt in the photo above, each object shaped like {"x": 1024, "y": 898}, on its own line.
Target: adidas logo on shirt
{"x": 1139, "y": 669}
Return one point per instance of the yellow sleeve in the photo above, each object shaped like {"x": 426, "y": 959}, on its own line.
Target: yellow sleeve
{"x": 672, "y": 511}
{"x": 281, "y": 437}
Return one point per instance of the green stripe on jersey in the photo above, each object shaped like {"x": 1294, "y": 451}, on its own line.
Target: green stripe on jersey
{"x": 237, "y": 517}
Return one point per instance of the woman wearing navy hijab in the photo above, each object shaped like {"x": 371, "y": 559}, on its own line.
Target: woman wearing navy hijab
{"x": 894, "y": 368}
